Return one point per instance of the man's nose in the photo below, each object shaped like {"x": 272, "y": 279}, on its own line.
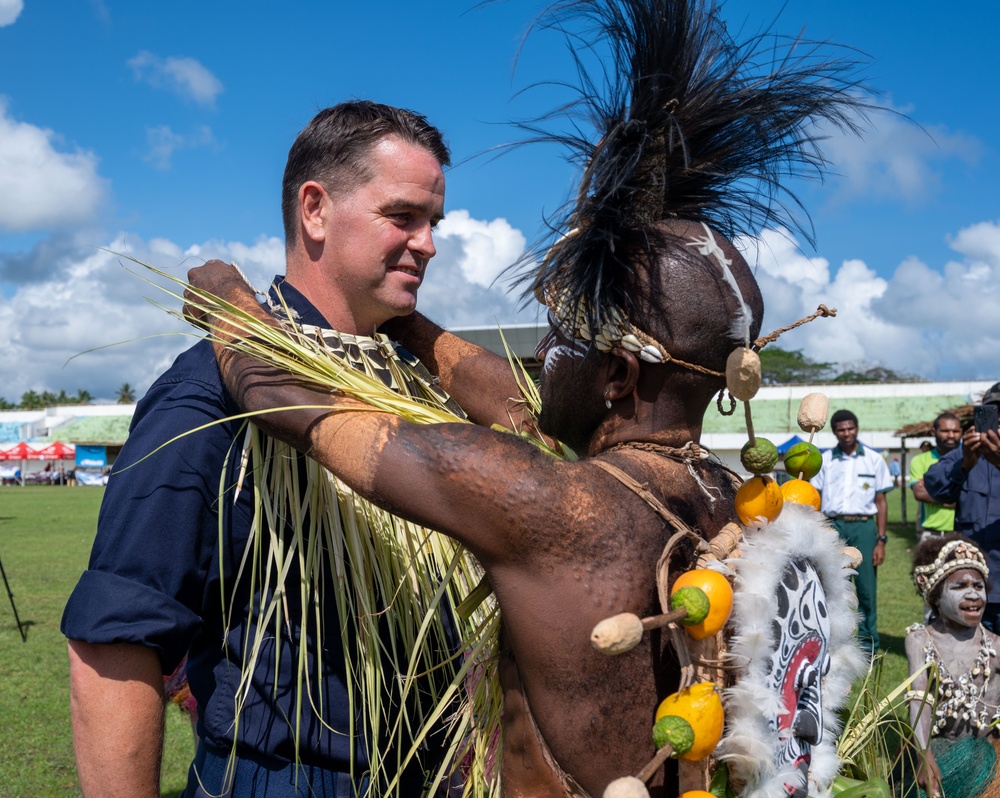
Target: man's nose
{"x": 422, "y": 242}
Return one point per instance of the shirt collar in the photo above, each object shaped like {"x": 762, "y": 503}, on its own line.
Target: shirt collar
{"x": 838, "y": 452}
{"x": 306, "y": 310}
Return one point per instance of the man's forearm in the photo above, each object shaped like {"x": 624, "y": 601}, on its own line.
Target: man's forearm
{"x": 479, "y": 380}
{"x": 881, "y": 513}
{"x": 116, "y": 699}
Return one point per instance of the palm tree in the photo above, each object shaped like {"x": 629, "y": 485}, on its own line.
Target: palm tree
{"x": 126, "y": 394}
{"x": 83, "y": 397}
{"x": 31, "y": 401}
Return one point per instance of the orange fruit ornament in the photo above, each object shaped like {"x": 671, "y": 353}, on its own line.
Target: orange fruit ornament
{"x": 701, "y": 706}
{"x": 758, "y": 497}
{"x": 720, "y": 600}
{"x": 698, "y": 794}
{"x": 798, "y": 491}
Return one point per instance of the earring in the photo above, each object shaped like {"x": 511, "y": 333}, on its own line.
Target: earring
{"x": 607, "y": 403}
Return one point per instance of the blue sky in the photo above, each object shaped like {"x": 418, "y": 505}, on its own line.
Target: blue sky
{"x": 161, "y": 130}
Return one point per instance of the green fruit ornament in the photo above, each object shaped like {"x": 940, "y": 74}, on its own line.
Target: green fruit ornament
{"x": 759, "y": 458}
{"x": 803, "y": 458}
{"x": 694, "y": 600}
{"x": 675, "y": 730}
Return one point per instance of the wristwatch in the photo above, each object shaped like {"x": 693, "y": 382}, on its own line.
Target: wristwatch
{"x": 883, "y": 538}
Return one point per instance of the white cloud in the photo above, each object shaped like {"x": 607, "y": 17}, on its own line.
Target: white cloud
{"x": 893, "y": 158}
{"x": 933, "y": 322}
{"x": 164, "y": 142}
{"x": 41, "y": 187}
{"x": 71, "y": 298}
{"x": 184, "y": 76}
{"x": 10, "y": 10}
{"x": 487, "y": 247}
{"x": 88, "y": 325}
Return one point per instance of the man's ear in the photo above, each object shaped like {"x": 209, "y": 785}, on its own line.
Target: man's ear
{"x": 622, "y": 374}
{"x": 313, "y": 209}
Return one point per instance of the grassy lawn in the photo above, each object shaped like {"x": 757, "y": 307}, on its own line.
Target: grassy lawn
{"x": 45, "y": 539}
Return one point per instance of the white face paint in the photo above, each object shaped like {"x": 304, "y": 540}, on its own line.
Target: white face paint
{"x": 574, "y": 351}
{"x": 963, "y": 598}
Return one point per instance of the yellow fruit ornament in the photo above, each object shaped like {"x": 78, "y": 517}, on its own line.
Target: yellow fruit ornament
{"x": 701, "y": 706}
{"x": 698, "y": 794}
{"x": 720, "y": 600}
{"x": 798, "y": 491}
{"x": 758, "y": 497}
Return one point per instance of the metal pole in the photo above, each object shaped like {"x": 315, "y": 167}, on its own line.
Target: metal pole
{"x": 20, "y": 628}
{"x": 902, "y": 476}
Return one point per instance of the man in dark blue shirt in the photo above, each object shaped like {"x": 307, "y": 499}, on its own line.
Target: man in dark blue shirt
{"x": 362, "y": 192}
{"x": 969, "y": 476}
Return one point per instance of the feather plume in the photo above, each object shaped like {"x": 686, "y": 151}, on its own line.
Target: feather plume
{"x": 689, "y": 124}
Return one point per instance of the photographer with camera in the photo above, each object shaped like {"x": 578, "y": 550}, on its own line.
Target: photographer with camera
{"x": 969, "y": 476}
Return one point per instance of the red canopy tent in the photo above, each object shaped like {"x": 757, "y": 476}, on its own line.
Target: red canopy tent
{"x": 20, "y": 452}
{"x": 54, "y": 451}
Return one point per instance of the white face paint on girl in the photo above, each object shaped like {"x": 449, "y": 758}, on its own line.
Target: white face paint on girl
{"x": 963, "y": 598}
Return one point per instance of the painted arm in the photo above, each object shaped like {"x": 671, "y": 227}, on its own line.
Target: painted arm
{"x": 116, "y": 701}
{"x": 481, "y": 381}
{"x": 469, "y": 482}
{"x": 921, "y": 711}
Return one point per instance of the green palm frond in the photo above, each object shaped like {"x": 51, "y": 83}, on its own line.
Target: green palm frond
{"x": 395, "y": 583}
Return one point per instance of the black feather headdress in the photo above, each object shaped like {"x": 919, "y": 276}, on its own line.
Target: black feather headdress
{"x": 689, "y": 125}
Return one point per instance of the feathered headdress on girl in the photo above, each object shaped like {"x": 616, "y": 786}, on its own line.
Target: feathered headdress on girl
{"x": 690, "y": 125}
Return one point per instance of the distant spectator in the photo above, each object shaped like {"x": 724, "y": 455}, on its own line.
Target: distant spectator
{"x": 894, "y": 470}
{"x": 935, "y": 518}
{"x": 853, "y": 482}
{"x": 969, "y": 476}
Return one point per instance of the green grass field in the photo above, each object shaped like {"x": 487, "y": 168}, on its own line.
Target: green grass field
{"x": 45, "y": 539}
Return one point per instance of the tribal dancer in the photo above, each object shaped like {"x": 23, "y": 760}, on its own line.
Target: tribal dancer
{"x": 954, "y": 706}
{"x": 647, "y": 297}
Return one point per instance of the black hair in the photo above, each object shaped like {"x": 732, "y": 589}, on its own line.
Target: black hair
{"x": 842, "y": 415}
{"x": 946, "y": 417}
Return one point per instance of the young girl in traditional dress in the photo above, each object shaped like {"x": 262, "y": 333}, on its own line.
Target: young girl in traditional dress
{"x": 954, "y": 704}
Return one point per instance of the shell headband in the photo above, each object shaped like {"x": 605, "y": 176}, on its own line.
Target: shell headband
{"x": 616, "y": 330}
{"x": 954, "y": 556}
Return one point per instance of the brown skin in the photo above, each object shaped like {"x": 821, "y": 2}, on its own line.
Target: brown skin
{"x": 847, "y": 440}
{"x": 564, "y": 544}
{"x": 958, "y": 642}
{"x": 947, "y": 434}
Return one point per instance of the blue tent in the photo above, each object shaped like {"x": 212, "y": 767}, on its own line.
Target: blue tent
{"x": 784, "y": 447}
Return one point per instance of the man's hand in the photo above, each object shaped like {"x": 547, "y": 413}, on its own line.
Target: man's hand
{"x": 970, "y": 449}
{"x": 222, "y": 280}
{"x": 878, "y": 554}
{"x": 989, "y": 446}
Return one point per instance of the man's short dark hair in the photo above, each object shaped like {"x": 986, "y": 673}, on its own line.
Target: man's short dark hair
{"x": 842, "y": 415}
{"x": 945, "y": 417}
{"x": 333, "y": 148}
